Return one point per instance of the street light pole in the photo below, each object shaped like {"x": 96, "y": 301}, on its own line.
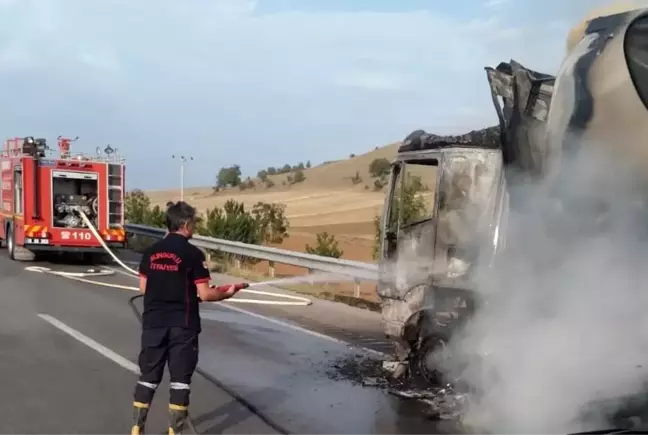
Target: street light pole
{"x": 183, "y": 160}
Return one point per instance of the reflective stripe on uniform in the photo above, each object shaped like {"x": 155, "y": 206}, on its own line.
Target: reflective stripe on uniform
{"x": 179, "y": 386}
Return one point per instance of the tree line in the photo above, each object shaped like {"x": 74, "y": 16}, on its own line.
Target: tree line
{"x": 230, "y": 176}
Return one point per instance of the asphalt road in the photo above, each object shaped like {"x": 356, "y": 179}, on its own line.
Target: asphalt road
{"x": 68, "y": 350}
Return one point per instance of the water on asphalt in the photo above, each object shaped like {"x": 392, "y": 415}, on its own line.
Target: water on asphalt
{"x": 287, "y": 374}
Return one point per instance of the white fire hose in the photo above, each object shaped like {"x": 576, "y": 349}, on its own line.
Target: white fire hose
{"x": 83, "y": 277}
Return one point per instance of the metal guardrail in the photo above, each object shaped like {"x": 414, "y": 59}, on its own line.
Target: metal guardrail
{"x": 356, "y": 269}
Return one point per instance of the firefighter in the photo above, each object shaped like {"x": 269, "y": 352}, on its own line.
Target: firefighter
{"x": 174, "y": 279}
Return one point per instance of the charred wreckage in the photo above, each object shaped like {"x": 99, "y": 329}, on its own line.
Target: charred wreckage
{"x": 427, "y": 263}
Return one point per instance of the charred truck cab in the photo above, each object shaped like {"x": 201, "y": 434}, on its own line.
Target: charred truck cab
{"x": 429, "y": 258}
{"x": 42, "y": 197}
{"x": 432, "y": 247}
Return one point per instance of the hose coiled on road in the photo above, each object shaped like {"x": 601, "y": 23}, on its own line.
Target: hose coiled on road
{"x": 249, "y": 406}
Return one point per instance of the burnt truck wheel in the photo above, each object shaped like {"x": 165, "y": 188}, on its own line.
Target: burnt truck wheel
{"x": 429, "y": 365}
{"x": 427, "y": 361}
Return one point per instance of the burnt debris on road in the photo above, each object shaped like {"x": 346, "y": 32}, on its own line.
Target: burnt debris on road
{"x": 435, "y": 403}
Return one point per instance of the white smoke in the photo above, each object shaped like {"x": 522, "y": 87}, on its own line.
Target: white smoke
{"x": 565, "y": 327}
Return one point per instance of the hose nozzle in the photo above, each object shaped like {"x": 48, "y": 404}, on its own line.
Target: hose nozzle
{"x": 225, "y": 287}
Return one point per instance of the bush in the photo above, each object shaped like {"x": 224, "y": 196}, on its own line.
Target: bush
{"x": 326, "y": 246}
{"x": 269, "y": 183}
{"x": 137, "y": 209}
{"x": 271, "y": 222}
{"x": 232, "y": 222}
{"x": 377, "y": 238}
{"x": 263, "y": 175}
{"x": 247, "y": 184}
{"x": 157, "y": 217}
{"x": 356, "y": 179}
{"x": 229, "y": 177}
{"x": 297, "y": 177}
{"x": 266, "y": 223}
{"x": 379, "y": 168}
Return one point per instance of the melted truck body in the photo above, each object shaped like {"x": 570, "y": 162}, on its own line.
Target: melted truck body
{"x": 596, "y": 102}
{"x": 429, "y": 260}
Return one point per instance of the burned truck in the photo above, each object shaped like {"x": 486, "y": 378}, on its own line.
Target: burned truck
{"x": 429, "y": 259}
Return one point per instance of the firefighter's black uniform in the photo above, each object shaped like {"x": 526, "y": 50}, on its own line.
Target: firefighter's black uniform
{"x": 170, "y": 325}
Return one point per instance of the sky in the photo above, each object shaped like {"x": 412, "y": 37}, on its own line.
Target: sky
{"x": 260, "y": 83}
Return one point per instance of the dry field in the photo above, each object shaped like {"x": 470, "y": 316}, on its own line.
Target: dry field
{"x": 346, "y": 214}
{"x": 326, "y": 201}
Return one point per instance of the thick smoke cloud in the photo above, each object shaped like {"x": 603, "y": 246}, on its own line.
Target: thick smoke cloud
{"x": 563, "y": 336}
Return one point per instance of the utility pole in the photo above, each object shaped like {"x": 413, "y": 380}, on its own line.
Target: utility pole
{"x": 183, "y": 160}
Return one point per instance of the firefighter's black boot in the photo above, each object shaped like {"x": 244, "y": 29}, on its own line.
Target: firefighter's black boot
{"x": 177, "y": 419}
{"x": 140, "y": 413}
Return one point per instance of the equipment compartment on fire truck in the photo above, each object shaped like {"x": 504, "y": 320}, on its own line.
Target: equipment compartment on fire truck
{"x": 71, "y": 191}
{"x": 44, "y": 198}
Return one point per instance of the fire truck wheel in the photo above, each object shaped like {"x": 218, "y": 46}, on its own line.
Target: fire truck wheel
{"x": 10, "y": 240}
{"x": 17, "y": 253}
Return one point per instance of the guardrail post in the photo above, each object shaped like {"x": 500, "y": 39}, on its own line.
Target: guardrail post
{"x": 356, "y": 289}
{"x": 271, "y": 267}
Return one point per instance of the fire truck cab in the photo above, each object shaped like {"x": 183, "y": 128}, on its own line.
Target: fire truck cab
{"x": 43, "y": 197}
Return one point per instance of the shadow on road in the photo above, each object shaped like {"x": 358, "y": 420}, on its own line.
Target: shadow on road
{"x": 235, "y": 413}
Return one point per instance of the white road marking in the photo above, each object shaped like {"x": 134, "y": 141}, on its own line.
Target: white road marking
{"x": 298, "y": 328}
{"x": 120, "y": 271}
{"x": 103, "y": 350}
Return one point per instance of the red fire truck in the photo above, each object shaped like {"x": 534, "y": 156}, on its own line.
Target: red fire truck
{"x": 42, "y": 196}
